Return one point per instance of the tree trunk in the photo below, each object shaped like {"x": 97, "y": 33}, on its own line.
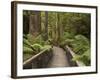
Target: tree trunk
{"x": 60, "y": 27}
{"x": 25, "y": 24}
{"x": 46, "y": 25}
{"x": 34, "y": 23}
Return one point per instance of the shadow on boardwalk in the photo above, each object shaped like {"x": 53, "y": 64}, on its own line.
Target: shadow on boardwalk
{"x": 59, "y": 58}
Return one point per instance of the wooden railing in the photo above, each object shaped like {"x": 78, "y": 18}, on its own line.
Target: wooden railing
{"x": 71, "y": 55}
{"x": 39, "y": 60}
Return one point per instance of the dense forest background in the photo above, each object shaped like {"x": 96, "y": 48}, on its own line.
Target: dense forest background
{"x": 42, "y": 30}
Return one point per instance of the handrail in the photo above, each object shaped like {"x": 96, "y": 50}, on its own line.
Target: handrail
{"x": 79, "y": 63}
{"x": 33, "y": 57}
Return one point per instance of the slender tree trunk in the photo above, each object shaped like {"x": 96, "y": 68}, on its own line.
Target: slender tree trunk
{"x": 46, "y": 25}
{"x": 56, "y": 30}
{"x": 60, "y": 28}
{"x": 39, "y": 21}
{"x": 25, "y": 24}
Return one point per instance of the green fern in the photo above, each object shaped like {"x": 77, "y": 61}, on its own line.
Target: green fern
{"x": 81, "y": 47}
{"x": 26, "y": 42}
{"x": 27, "y": 50}
{"x": 37, "y": 47}
{"x": 82, "y": 39}
{"x": 66, "y": 39}
{"x": 35, "y": 39}
{"x": 80, "y": 44}
{"x": 85, "y": 57}
{"x": 47, "y": 47}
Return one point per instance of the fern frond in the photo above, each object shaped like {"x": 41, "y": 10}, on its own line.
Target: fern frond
{"x": 27, "y": 50}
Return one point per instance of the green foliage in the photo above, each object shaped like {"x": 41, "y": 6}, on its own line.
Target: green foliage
{"x": 26, "y": 42}
{"x": 81, "y": 47}
{"x": 27, "y": 50}
{"x": 82, "y": 39}
{"x": 66, "y": 39}
{"x": 47, "y": 47}
{"x": 35, "y": 39}
{"x": 85, "y": 57}
{"x": 80, "y": 44}
{"x": 59, "y": 28}
{"x": 76, "y": 23}
{"x": 35, "y": 45}
{"x": 39, "y": 47}
{"x": 68, "y": 35}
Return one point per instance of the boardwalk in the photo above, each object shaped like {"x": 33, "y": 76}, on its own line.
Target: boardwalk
{"x": 59, "y": 58}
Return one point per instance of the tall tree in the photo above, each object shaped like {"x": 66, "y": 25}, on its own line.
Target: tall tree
{"x": 34, "y": 23}
{"x": 46, "y": 25}
{"x": 25, "y": 22}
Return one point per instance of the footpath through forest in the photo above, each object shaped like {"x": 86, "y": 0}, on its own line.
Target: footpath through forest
{"x": 59, "y": 58}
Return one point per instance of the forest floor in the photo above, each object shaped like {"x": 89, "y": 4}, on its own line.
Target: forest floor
{"x": 59, "y": 58}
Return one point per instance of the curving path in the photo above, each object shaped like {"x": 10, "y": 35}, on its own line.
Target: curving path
{"x": 59, "y": 58}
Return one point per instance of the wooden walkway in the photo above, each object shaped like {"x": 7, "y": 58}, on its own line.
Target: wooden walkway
{"x": 59, "y": 58}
